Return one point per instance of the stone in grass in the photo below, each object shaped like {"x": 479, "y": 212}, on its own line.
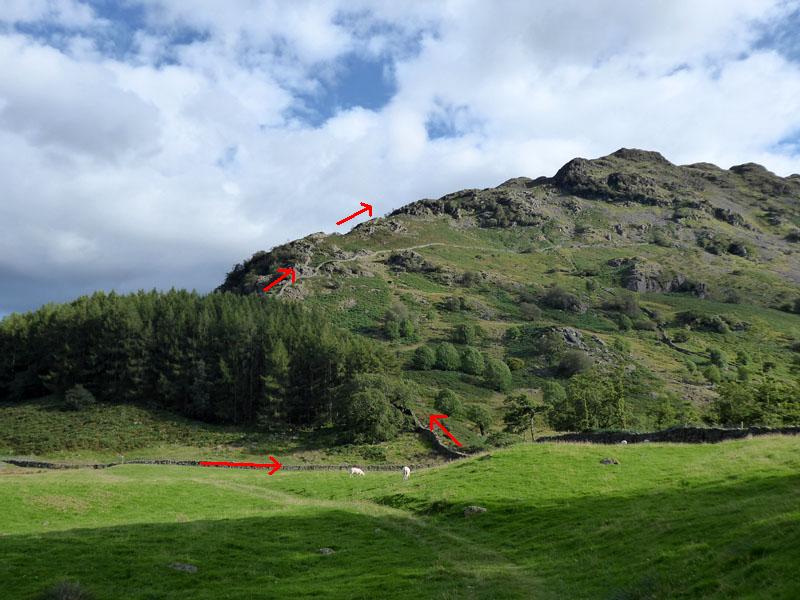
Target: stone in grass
{"x": 473, "y": 510}
{"x": 183, "y": 567}
{"x": 609, "y": 461}
{"x": 326, "y": 551}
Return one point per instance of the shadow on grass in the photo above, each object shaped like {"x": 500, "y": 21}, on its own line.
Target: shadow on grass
{"x": 735, "y": 539}
{"x": 274, "y": 557}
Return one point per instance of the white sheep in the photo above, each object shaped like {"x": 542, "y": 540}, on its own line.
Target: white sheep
{"x": 356, "y": 471}
{"x": 406, "y": 473}
{"x": 624, "y": 442}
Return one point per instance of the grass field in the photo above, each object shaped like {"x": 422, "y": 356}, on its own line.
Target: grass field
{"x": 669, "y": 521}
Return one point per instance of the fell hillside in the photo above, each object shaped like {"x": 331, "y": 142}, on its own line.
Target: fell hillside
{"x": 686, "y": 278}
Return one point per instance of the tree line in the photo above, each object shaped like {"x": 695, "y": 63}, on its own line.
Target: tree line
{"x": 222, "y": 358}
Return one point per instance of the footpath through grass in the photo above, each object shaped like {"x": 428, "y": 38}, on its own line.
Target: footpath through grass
{"x": 669, "y": 521}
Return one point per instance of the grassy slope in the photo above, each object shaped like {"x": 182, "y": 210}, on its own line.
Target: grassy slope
{"x": 359, "y": 303}
{"x": 669, "y": 521}
{"x": 110, "y": 432}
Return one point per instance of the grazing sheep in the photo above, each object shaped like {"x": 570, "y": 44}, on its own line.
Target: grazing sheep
{"x": 624, "y": 442}
{"x": 406, "y": 473}
{"x": 356, "y": 471}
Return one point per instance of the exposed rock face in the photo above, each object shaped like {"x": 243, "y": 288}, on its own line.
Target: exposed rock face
{"x": 410, "y": 261}
{"x": 727, "y": 215}
{"x": 379, "y": 225}
{"x": 636, "y": 155}
{"x": 617, "y": 178}
{"x": 261, "y": 267}
{"x": 504, "y": 206}
{"x": 639, "y": 275}
{"x": 571, "y": 337}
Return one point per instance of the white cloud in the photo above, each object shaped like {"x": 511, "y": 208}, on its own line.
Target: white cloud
{"x": 66, "y": 13}
{"x": 166, "y": 163}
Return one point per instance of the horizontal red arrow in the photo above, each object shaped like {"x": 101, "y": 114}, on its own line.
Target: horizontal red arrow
{"x": 286, "y": 272}
{"x": 367, "y": 208}
{"x": 272, "y": 466}
{"x": 434, "y": 422}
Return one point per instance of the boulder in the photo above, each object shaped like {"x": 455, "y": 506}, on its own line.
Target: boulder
{"x": 609, "y": 461}
{"x": 470, "y": 511}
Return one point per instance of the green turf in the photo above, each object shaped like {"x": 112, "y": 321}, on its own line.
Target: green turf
{"x": 670, "y": 521}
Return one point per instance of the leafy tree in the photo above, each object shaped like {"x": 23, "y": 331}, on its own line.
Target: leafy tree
{"x": 448, "y": 402}
{"x": 497, "y": 374}
{"x": 472, "y": 361}
{"x": 464, "y": 333}
{"x": 78, "y": 398}
{"x": 594, "y": 400}
{"x": 668, "y": 411}
{"x": 550, "y": 345}
{"x": 447, "y": 357}
{"x": 424, "y": 358}
{"x": 554, "y": 397}
{"x": 391, "y": 329}
{"x": 519, "y": 414}
{"x": 574, "y": 362}
{"x": 480, "y": 416}
{"x": 367, "y": 417}
{"x": 407, "y": 330}
{"x": 398, "y": 323}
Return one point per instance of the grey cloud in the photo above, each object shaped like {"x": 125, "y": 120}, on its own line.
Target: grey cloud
{"x": 51, "y": 100}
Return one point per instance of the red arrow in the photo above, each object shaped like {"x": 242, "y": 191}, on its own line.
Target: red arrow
{"x": 367, "y": 208}
{"x": 272, "y": 466}
{"x": 286, "y": 272}
{"x": 434, "y": 421}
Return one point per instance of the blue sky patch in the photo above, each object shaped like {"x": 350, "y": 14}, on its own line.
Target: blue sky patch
{"x": 355, "y": 81}
{"x": 782, "y": 36}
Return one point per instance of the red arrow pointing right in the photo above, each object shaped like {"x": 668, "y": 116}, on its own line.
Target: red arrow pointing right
{"x": 273, "y": 466}
{"x": 286, "y": 272}
{"x": 367, "y": 208}
{"x": 434, "y": 422}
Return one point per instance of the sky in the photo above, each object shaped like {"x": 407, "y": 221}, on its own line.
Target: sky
{"x": 155, "y": 143}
